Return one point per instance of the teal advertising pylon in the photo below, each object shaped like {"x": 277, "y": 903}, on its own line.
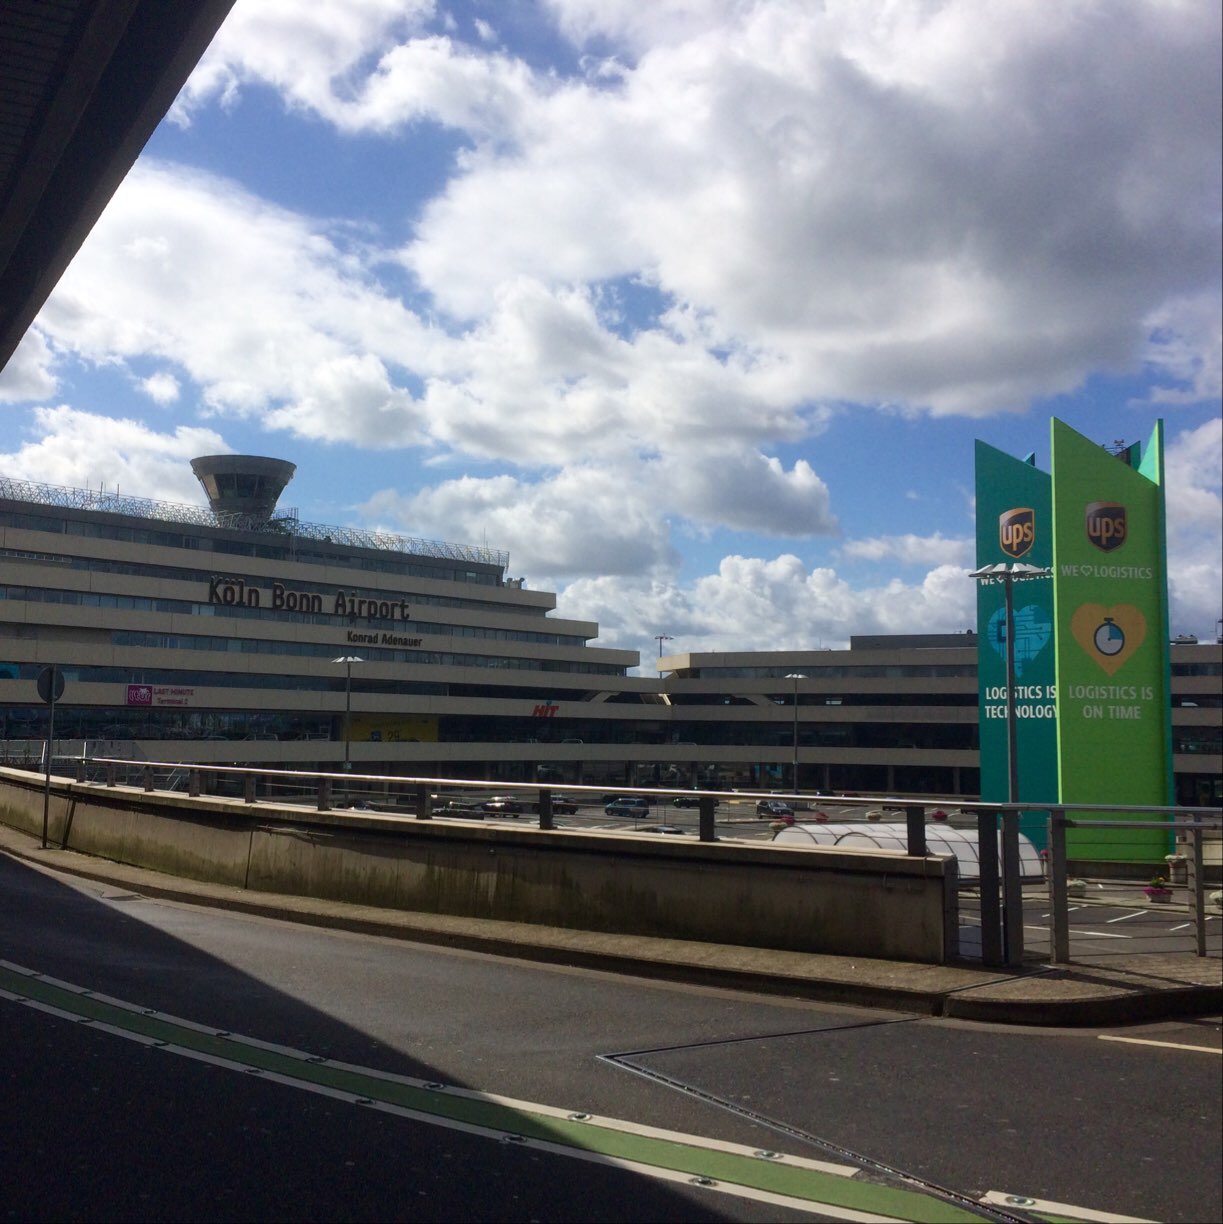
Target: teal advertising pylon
{"x": 1015, "y": 524}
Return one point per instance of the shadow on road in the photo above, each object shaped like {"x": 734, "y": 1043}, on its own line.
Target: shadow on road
{"x": 98, "y": 1127}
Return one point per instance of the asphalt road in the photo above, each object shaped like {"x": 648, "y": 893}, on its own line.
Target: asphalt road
{"x": 243, "y": 1068}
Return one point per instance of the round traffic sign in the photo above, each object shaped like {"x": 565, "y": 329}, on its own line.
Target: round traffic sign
{"x": 46, "y": 678}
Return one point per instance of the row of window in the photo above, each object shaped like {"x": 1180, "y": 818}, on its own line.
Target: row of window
{"x": 924, "y": 671}
{"x": 183, "y": 607}
{"x": 181, "y": 574}
{"x": 379, "y": 654}
{"x": 83, "y": 722}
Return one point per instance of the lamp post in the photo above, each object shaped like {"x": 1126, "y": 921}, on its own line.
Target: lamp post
{"x": 1009, "y": 573}
{"x": 796, "y": 677}
{"x": 348, "y": 661}
{"x": 660, "y": 638}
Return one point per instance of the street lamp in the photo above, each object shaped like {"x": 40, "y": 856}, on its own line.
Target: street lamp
{"x": 1009, "y": 573}
{"x": 660, "y": 638}
{"x": 348, "y": 661}
{"x": 796, "y": 677}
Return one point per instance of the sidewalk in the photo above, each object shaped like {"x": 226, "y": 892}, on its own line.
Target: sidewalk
{"x": 1127, "y": 989}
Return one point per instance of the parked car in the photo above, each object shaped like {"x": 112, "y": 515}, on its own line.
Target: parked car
{"x": 504, "y": 805}
{"x": 456, "y": 807}
{"x": 562, "y": 805}
{"x": 635, "y": 806}
{"x": 774, "y": 809}
{"x": 688, "y": 801}
{"x": 663, "y": 828}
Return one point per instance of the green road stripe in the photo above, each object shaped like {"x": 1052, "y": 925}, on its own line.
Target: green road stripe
{"x": 572, "y": 1134}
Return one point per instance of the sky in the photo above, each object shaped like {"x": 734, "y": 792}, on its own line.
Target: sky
{"x": 695, "y": 307}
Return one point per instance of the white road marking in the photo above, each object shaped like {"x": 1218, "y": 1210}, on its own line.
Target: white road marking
{"x": 1135, "y": 914}
{"x": 999, "y": 1198}
{"x": 1165, "y": 1045}
{"x": 1101, "y": 934}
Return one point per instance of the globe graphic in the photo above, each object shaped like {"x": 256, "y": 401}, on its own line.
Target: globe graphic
{"x": 1109, "y": 638}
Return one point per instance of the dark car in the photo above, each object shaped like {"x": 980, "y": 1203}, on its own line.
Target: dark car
{"x": 456, "y": 807}
{"x": 688, "y": 801}
{"x": 504, "y": 805}
{"x": 663, "y": 828}
{"x": 774, "y": 808}
{"x": 628, "y": 805}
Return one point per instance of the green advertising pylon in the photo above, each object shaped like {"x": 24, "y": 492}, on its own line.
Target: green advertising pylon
{"x": 1111, "y": 638}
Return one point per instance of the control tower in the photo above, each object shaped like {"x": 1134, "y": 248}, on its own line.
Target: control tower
{"x": 243, "y": 484}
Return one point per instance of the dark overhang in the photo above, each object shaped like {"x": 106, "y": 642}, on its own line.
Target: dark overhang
{"x": 83, "y": 84}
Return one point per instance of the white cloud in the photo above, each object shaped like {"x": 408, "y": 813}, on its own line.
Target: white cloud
{"x": 1194, "y": 474}
{"x": 29, "y": 374}
{"x": 310, "y": 52}
{"x": 161, "y": 388}
{"x": 746, "y": 491}
{"x": 83, "y": 450}
{"x": 885, "y": 199}
{"x": 1186, "y": 345}
{"x": 754, "y": 603}
{"x": 956, "y": 206}
{"x": 266, "y": 310}
{"x": 351, "y": 398}
{"x": 363, "y": 65}
{"x": 584, "y": 521}
{"x": 909, "y": 549}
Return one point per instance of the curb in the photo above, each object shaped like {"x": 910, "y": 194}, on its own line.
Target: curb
{"x": 1090, "y": 1013}
{"x": 927, "y": 1003}
{"x": 1124, "y": 1007}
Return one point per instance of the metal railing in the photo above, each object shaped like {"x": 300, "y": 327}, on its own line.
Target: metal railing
{"x": 1175, "y": 898}
{"x": 1002, "y": 903}
{"x": 284, "y": 523}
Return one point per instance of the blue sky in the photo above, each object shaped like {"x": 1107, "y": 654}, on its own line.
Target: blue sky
{"x": 695, "y": 307}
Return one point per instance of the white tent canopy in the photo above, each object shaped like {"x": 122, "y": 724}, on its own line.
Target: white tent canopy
{"x": 961, "y": 844}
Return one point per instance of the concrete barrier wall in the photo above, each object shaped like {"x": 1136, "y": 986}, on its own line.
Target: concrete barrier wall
{"x": 851, "y": 903}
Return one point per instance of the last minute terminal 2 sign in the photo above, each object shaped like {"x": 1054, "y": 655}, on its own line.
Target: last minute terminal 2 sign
{"x": 1091, "y": 642}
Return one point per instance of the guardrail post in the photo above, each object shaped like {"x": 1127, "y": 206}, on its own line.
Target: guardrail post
{"x": 915, "y": 825}
{"x": 1012, "y": 890}
{"x": 987, "y": 866}
{"x": 1197, "y": 889}
{"x": 424, "y": 802}
{"x": 193, "y": 783}
{"x": 110, "y": 775}
{"x": 705, "y": 807}
{"x": 323, "y": 800}
{"x": 545, "y": 809}
{"x": 148, "y": 777}
{"x": 1058, "y": 897}
{"x": 80, "y": 769}
{"x": 248, "y": 789}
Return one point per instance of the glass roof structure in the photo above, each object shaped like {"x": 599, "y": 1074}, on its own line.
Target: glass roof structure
{"x": 941, "y": 838}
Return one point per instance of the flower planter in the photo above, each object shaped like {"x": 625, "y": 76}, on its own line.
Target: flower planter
{"x": 1159, "y": 895}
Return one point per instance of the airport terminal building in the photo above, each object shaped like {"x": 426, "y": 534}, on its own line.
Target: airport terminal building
{"x": 239, "y": 634}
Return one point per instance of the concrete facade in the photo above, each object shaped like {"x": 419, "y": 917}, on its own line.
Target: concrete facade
{"x": 850, "y": 903}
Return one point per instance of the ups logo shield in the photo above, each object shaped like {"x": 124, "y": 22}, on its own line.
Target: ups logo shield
{"x": 1017, "y": 531}
{"x": 1106, "y": 525}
